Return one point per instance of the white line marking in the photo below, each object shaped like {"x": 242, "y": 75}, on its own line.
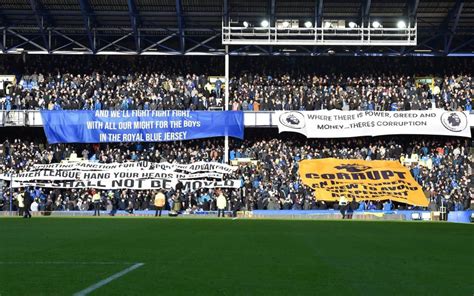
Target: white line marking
{"x": 108, "y": 280}
{"x": 66, "y": 263}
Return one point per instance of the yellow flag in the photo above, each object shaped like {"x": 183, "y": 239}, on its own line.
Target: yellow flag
{"x": 364, "y": 180}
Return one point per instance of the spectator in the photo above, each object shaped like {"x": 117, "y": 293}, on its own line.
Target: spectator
{"x": 270, "y": 180}
{"x": 159, "y": 202}
{"x": 81, "y": 83}
{"x": 221, "y": 204}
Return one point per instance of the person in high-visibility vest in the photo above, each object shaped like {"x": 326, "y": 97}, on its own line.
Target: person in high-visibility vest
{"x": 96, "y": 201}
{"x": 221, "y": 204}
{"x": 343, "y": 206}
{"x": 21, "y": 203}
{"x": 159, "y": 202}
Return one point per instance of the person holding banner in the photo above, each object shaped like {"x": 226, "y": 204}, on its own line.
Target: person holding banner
{"x": 96, "y": 201}
{"x": 159, "y": 202}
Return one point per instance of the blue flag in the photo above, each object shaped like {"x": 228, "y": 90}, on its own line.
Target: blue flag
{"x": 104, "y": 126}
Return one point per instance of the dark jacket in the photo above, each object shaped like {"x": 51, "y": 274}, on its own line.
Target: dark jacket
{"x": 27, "y": 199}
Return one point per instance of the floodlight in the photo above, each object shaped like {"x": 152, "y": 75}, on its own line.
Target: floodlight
{"x": 401, "y": 25}
{"x": 308, "y": 24}
{"x": 352, "y": 25}
{"x": 246, "y": 24}
{"x": 327, "y": 25}
{"x": 286, "y": 24}
{"x": 376, "y": 24}
{"x": 264, "y": 23}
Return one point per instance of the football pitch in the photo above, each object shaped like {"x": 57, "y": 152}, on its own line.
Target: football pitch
{"x": 173, "y": 256}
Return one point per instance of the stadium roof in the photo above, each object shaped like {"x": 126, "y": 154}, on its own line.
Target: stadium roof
{"x": 194, "y": 27}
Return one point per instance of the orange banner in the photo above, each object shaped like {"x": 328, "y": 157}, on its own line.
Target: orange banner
{"x": 364, "y": 180}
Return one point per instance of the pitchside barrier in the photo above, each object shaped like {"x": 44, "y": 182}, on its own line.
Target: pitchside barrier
{"x": 458, "y": 216}
{"x": 407, "y": 215}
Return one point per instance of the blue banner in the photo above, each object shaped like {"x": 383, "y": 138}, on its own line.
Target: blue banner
{"x": 102, "y": 126}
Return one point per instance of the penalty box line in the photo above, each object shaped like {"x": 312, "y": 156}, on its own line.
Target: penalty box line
{"x": 104, "y": 282}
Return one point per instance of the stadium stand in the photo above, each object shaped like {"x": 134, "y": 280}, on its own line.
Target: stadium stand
{"x": 97, "y": 83}
{"x": 443, "y": 166}
{"x": 288, "y": 144}
{"x": 347, "y": 79}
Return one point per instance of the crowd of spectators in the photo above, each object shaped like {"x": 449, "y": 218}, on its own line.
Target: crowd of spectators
{"x": 443, "y": 167}
{"x": 97, "y": 83}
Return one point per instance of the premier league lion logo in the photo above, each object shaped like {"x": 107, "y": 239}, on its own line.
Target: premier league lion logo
{"x": 454, "y": 121}
{"x": 353, "y": 168}
{"x": 292, "y": 119}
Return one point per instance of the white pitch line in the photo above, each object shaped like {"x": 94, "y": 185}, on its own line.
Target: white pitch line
{"x": 108, "y": 280}
{"x": 65, "y": 263}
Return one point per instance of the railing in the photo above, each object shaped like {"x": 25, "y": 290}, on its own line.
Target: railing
{"x": 263, "y": 119}
{"x": 15, "y": 117}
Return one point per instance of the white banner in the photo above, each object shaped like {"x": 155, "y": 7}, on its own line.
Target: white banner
{"x": 347, "y": 124}
{"x": 134, "y": 175}
{"x": 135, "y": 184}
{"x": 54, "y": 175}
{"x": 140, "y": 165}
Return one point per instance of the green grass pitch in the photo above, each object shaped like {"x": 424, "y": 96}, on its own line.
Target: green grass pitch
{"x": 61, "y": 256}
